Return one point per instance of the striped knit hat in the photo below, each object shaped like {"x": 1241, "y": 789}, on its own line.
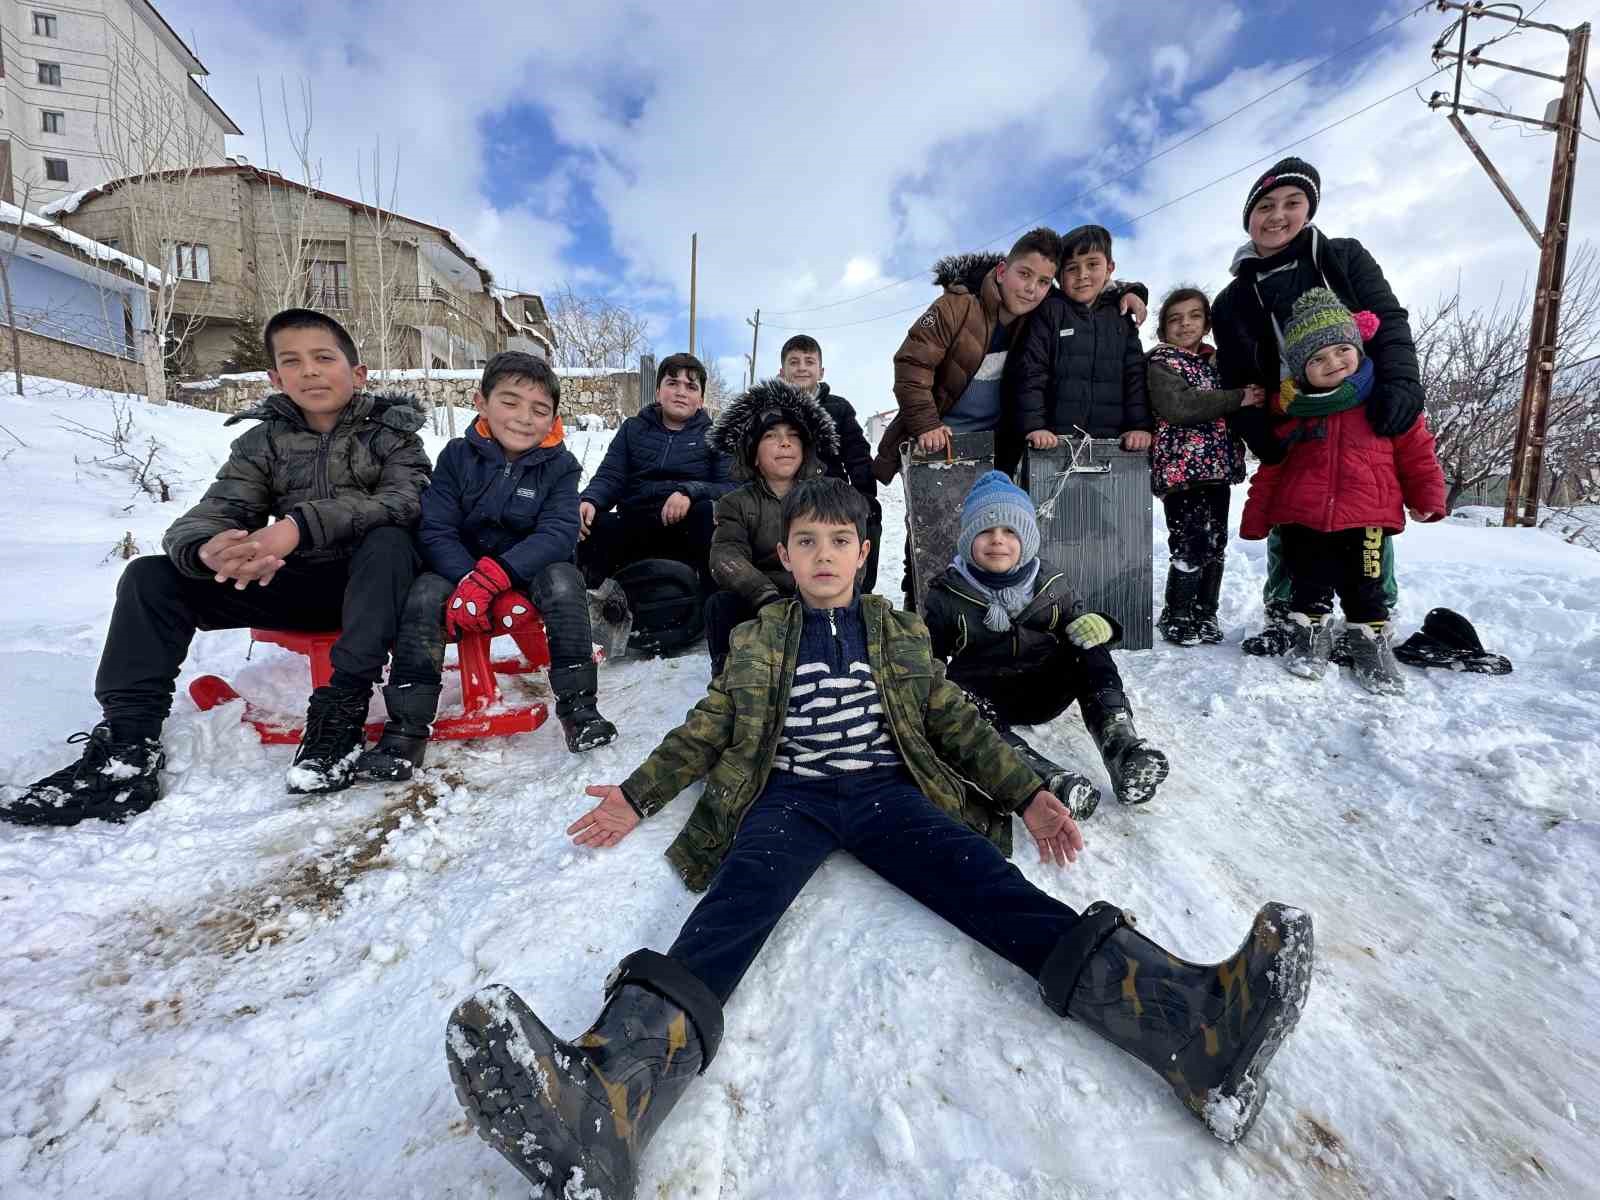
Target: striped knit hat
{"x": 1286, "y": 172}
{"x": 1317, "y": 321}
{"x": 995, "y": 501}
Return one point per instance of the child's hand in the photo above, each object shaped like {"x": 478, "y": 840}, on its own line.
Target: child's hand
{"x": 1053, "y": 829}
{"x": 1254, "y": 396}
{"x": 585, "y": 519}
{"x": 1134, "y": 307}
{"x": 1425, "y": 518}
{"x": 934, "y": 440}
{"x": 608, "y": 822}
{"x": 1089, "y": 631}
{"x": 222, "y": 551}
{"x": 1043, "y": 439}
{"x": 1136, "y": 439}
{"x": 675, "y": 509}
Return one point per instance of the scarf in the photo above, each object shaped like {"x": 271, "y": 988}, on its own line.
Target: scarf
{"x": 1007, "y": 594}
{"x": 1351, "y": 393}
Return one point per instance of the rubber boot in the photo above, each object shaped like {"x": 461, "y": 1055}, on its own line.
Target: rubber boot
{"x": 1136, "y": 767}
{"x": 1208, "y": 1030}
{"x": 576, "y": 1116}
{"x": 1206, "y": 601}
{"x": 1073, "y": 790}
{"x": 400, "y": 750}
{"x": 575, "y": 688}
{"x": 1310, "y": 647}
{"x": 1278, "y": 635}
{"x": 1179, "y": 622}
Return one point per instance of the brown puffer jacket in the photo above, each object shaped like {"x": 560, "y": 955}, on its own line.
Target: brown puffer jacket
{"x": 368, "y": 471}
{"x": 937, "y": 359}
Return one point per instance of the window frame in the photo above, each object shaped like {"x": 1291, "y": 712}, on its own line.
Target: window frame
{"x": 66, "y": 171}
{"x": 46, "y": 114}
{"x": 51, "y": 22}
{"x": 49, "y": 66}
{"x": 198, "y": 251}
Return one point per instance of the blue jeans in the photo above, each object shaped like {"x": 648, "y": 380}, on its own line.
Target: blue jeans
{"x": 893, "y": 829}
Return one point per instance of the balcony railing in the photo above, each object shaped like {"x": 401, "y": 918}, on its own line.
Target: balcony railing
{"x": 46, "y": 324}
{"x": 327, "y": 296}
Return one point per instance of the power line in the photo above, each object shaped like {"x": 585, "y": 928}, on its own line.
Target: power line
{"x": 1162, "y": 207}
{"x": 1110, "y": 179}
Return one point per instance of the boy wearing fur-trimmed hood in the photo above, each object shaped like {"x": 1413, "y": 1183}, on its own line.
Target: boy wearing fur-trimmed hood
{"x": 775, "y": 435}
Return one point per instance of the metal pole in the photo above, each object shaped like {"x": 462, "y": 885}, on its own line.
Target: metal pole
{"x": 694, "y": 262}
{"x": 1497, "y": 179}
{"x": 754, "y": 338}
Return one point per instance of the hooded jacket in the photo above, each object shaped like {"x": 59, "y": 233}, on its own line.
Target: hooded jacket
{"x": 647, "y": 462}
{"x": 1083, "y": 368}
{"x": 522, "y": 512}
{"x": 366, "y": 472}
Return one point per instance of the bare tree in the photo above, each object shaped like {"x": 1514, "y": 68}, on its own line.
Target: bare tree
{"x": 718, "y": 390}
{"x": 283, "y": 279}
{"x": 592, "y": 331}
{"x": 5, "y": 281}
{"x": 380, "y": 317}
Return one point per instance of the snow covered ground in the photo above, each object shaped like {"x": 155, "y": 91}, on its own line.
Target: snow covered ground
{"x": 243, "y": 993}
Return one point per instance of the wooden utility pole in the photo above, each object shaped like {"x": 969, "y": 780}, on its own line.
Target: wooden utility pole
{"x": 754, "y": 338}
{"x": 694, "y": 266}
{"x": 1527, "y": 455}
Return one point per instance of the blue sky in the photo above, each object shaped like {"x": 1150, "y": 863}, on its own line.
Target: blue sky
{"x": 825, "y": 152}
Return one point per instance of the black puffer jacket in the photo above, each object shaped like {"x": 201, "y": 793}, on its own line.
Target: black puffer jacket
{"x": 1247, "y": 343}
{"x": 646, "y": 462}
{"x": 368, "y": 471}
{"x": 853, "y": 462}
{"x": 1083, "y": 367}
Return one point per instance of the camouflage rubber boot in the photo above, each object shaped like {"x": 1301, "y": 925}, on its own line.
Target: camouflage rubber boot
{"x": 112, "y": 780}
{"x": 1179, "y": 622}
{"x": 1136, "y": 767}
{"x": 1372, "y": 659}
{"x": 401, "y": 749}
{"x": 1206, "y": 601}
{"x": 1209, "y": 1030}
{"x": 576, "y": 1116}
{"x": 1276, "y": 638}
{"x": 1310, "y": 648}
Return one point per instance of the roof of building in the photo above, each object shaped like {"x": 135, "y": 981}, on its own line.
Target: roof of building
{"x": 192, "y": 65}
{"x": 102, "y": 255}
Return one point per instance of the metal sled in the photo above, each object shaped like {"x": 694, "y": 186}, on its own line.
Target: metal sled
{"x": 936, "y": 485}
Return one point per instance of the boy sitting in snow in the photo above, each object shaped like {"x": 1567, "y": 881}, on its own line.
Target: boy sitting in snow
{"x": 1023, "y": 647}
{"x": 775, "y": 437}
{"x": 499, "y": 526}
{"x": 832, "y": 727}
{"x": 341, "y": 471}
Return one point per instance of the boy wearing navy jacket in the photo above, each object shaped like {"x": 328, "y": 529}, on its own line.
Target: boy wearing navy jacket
{"x": 499, "y": 521}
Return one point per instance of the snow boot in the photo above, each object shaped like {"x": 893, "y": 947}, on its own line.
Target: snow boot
{"x": 1205, "y": 603}
{"x": 400, "y": 751}
{"x": 334, "y": 737}
{"x": 1208, "y": 1030}
{"x": 1372, "y": 659}
{"x": 575, "y": 689}
{"x": 1311, "y": 647}
{"x": 111, "y": 781}
{"x": 1136, "y": 767}
{"x": 1276, "y": 638}
{"x": 574, "y": 1117}
{"x": 1179, "y": 622}
{"x": 1073, "y": 790}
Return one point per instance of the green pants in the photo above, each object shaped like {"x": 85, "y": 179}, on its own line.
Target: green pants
{"x": 1277, "y": 588}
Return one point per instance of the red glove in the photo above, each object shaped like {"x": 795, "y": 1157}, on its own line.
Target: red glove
{"x": 512, "y": 610}
{"x": 468, "y": 609}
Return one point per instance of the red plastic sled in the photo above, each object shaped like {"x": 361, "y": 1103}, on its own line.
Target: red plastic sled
{"x": 480, "y": 717}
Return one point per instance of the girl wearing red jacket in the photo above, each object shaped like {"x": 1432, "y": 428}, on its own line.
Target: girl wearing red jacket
{"x": 1338, "y": 490}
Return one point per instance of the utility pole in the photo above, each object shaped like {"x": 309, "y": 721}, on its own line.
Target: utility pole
{"x": 694, "y": 266}
{"x": 1527, "y": 455}
{"x": 754, "y": 338}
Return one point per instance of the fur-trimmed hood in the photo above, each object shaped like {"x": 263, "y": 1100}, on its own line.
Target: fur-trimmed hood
{"x": 965, "y": 272}
{"x": 750, "y": 414}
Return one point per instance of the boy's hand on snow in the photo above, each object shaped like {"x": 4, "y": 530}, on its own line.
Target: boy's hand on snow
{"x": 1088, "y": 631}
{"x": 468, "y": 609}
{"x": 1053, "y": 829}
{"x": 585, "y": 519}
{"x": 934, "y": 440}
{"x": 675, "y": 509}
{"x": 608, "y": 822}
{"x": 1043, "y": 439}
{"x": 1134, "y": 307}
{"x": 1136, "y": 439}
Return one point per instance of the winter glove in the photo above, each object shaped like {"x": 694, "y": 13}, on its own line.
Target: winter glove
{"x": 1088, "y": 631}
{"x": 468, "y": 609}
{"x": 1391, "y": 411}
{"x": 512, "y": 610}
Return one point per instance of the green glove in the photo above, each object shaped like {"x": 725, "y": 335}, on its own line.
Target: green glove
{"x": 1088, "y": 631}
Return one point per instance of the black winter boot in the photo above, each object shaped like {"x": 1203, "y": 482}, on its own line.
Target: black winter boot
{"x": 399, "y": 752}
{"x": 576, "y": 1116}
{"x": 1310, "y": 647}
{"x": 1276, "y": 638}
{"x": 1372, "y": 659}
{"x": 1073, "y": 790}
{"x": 334, "y": 736}
{"x": 1205, "y": 602}
{"x": 111, "y": 781}
{"x": 1179, "y": 622}
{"x": 1136, "y": 767}
{"x": 575, "y": 689}
{"x": 1208, "y": 1030}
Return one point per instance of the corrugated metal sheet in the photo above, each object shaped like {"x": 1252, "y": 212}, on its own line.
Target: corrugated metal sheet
{"x": 1094, "y": 523}
{"x": 935, "y": 487}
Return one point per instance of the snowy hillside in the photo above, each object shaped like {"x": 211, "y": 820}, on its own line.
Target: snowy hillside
{"x": 243, "y": 993}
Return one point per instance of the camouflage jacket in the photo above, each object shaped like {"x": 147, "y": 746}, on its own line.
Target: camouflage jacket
{"x": 367, "y": 472}
{"x": 731, "y": 736}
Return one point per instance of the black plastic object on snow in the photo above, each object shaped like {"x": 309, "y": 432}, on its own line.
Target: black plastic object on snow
{"x": 1094, "y": 523}
{"x": 667, "y": 604}
{"x": 936, "y": 486}
{"x": 1448, "y": 641}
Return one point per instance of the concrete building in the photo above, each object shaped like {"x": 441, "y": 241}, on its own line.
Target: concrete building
{"x": 69, "y": 73}
{"x": 254, "y": 242}
{"x": 530, "y": 331}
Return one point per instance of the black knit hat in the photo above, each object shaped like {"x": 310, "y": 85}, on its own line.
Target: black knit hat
{"x": 1286, "y": 172}
{"x": 750, "y": 414}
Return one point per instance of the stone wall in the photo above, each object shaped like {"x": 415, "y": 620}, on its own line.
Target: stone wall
{"x": 55, "y": 359}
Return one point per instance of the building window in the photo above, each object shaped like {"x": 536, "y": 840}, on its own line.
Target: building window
{"x": 327, "y": 283}
{"x": 55, "y": 122}
{"x": 188, "y": 261}
{"x": 44, "y": 24}
{"x": 50, "y": 74}
{"x": 55, "y": 170}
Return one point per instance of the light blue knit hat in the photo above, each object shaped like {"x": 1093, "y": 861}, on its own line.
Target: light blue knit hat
{"x": 994, "y": 500}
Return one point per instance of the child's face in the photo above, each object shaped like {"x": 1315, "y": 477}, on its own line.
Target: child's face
{"x": 1083, "y": 276}
{"x": 1186, "y": 324}
{"x": 1331, "y": 366}
{"x": 680, "y": 397}
{"x": 312, "y": 371}
{"x": 1278, "y": 218}
{"x": 1024, "y": 283}
{"x": 780, "y": 453}
{"x": 519, "y": 414}
{"x": 823, "y": 558}
{"x": 801, "y": 369}
{"x": 998, "y": 550}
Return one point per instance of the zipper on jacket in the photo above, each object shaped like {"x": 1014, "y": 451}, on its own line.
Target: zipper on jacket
{"x": 324, "y": 484}
{"x": 666, "y": 451}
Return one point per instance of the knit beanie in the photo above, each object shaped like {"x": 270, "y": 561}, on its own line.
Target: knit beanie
{"x": 1286, "y": 172}
{"x": 1317, "y": 321}
{"x": 993, "y": 501}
